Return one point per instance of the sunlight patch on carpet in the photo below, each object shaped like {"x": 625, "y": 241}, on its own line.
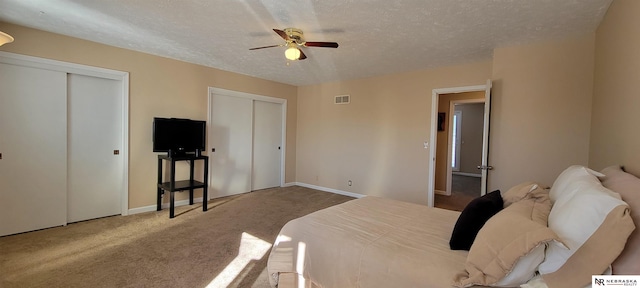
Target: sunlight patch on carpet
{"x": 251, "y": 248}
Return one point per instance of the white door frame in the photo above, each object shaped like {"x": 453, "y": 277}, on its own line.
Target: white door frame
{"x": 122, "y": 77}
{"x": 434, "y": 129}
{"x": 219, "y": 91}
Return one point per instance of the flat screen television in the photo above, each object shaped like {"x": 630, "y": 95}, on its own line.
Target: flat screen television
{"x": 179, "y": 136}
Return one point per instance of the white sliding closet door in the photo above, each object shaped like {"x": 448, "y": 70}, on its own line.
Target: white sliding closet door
{"x": 230, "y": 133}
{"x": 267, "y": 145}
{"x": 94, "y": 147}
{"x": 33, "y": 147}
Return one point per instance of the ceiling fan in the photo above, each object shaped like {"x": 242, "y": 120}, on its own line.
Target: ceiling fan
{"x": 295, "y": 39}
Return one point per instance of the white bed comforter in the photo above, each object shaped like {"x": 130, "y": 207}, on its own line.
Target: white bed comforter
{"x": 368, "y": 242}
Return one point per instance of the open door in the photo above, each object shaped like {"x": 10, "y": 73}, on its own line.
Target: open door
{"x": 432, "y": 143}
{"x": 484, "y": 168}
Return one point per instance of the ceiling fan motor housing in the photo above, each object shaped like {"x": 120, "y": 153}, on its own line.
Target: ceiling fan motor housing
{"x": 295, "y": 35}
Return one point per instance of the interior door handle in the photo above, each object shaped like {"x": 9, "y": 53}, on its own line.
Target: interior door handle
{"x": 483, "y": 167}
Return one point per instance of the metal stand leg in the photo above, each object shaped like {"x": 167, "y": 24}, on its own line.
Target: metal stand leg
{"x": 205, "y": 194}
{"x": 171, "y": 206}
{"x": 172, "y": 188}
{"x": 191, "y": 181}
{"x": 160, "y": 191}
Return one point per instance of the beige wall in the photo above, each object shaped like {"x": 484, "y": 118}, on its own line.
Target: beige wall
{"x": 616, "y": 101}
{"x": 541, "y": 110}
{"x": 472, "y": 126}
{"x": 158, "y": 87}
{"x": 541, "y": 114}
{"x": 377, "y": 140}
{"x": 444, "y": 102}
{"x": 544, "y": 117}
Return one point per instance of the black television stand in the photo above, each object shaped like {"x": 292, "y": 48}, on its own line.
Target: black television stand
{"x": 172, "y": 185}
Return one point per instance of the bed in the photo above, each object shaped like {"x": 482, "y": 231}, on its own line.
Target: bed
{"x": 379, "y": 242}
{"x": 364, "y": 242}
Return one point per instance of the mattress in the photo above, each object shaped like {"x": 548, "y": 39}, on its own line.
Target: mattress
{"x": 367, "y": 242}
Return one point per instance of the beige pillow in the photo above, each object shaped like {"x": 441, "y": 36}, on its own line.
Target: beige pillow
{"x": 628, "y": 186}
{"x": 518, "y": 192}
{"x": 506, "y": 239}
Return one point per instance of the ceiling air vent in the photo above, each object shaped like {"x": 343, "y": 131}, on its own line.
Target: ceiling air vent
{"x": 342, "y": 99}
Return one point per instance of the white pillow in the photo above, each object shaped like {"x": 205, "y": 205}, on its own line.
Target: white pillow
{"x": 525, "y": 268}
{"x": 565, "y": 185}
{"x": 588, "y": 218}
{"x": 538, "y": 282}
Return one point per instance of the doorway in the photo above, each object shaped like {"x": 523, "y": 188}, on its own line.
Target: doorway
{"x": 445, "y": 155}
{"x": 462, "y": 141}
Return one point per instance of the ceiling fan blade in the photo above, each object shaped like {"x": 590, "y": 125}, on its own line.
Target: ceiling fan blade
{"x": 270, "y": 46}
{"x": 302, "y": 56}
{"x": 322, "y": 44}
{"x": 282, "y": 34}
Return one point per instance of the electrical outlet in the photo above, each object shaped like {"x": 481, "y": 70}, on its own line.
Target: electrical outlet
{"x": 349, "y": 183}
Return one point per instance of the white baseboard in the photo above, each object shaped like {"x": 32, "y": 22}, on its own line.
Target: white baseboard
{"x": 289, "y": 184}
{"x": 325, "y": 189}
{"x": 442, "y": 192}
{"x": 152, "y": 208}
{"x": 467, "y": 174}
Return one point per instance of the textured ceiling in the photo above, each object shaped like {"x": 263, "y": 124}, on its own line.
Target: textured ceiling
{"x": 376, "y": 37}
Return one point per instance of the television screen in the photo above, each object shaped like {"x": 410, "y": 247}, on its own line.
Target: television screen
{"x": 178, "y": 135}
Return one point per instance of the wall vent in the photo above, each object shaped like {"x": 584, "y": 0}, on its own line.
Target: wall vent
{"x": 342, "y": 99}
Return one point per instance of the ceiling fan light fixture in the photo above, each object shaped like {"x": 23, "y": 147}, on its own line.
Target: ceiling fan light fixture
{"x": 5, "y": 38}
{"x": 292, "y": 53}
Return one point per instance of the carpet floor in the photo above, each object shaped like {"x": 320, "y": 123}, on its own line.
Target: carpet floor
{"x": 227, "y": 246}
{"x": 463, "y": 190}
